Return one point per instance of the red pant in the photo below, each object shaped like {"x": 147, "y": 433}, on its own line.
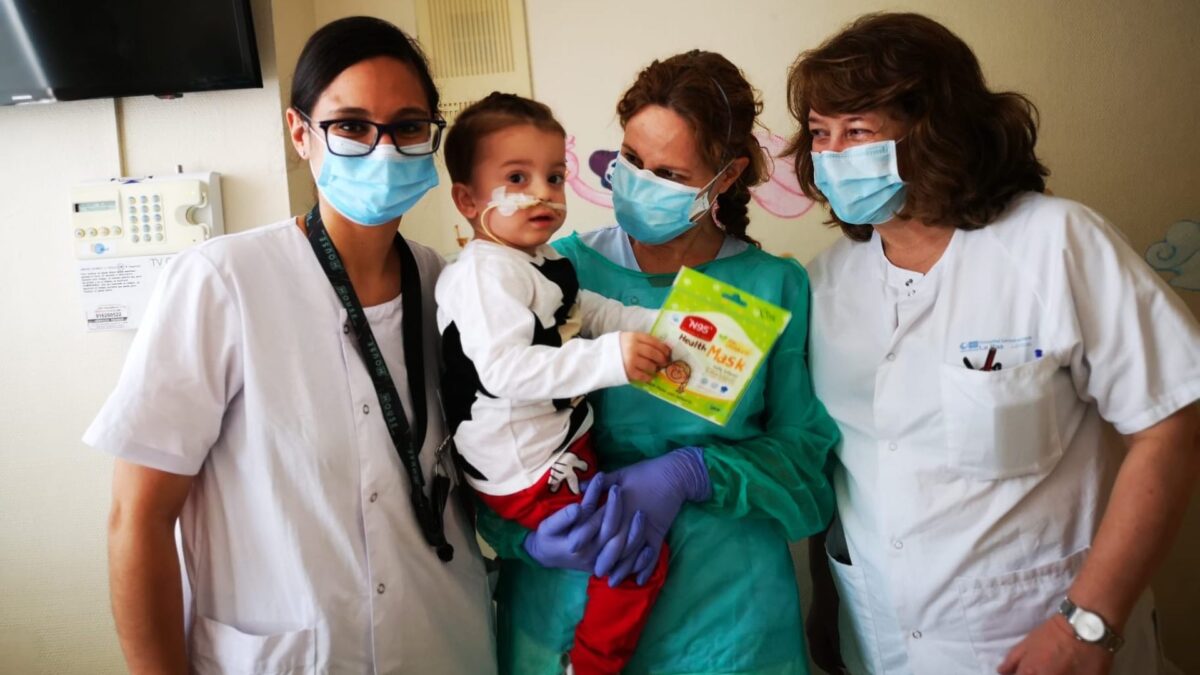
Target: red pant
{"x": 614, "y": 618}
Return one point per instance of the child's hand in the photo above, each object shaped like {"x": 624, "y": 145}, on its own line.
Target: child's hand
{"x": 643, "y": 355}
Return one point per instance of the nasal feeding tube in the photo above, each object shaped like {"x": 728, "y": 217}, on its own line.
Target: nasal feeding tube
{"x": 508, "y": 203}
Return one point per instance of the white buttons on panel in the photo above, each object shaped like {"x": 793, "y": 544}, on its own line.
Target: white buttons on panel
{"x": 137, "y": 216}
{"x": 139, "y": 211}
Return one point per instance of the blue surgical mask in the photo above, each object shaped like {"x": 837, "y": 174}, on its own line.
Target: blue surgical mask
{"x": 862, "y": 183}
{"x": 377, "y": 188}
{"x": 652, "y": 209}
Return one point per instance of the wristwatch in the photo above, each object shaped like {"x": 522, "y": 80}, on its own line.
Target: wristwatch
{"x": 1090, "y": 627}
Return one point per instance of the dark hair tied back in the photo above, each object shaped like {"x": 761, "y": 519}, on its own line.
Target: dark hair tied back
{"x": 340, "y": 44}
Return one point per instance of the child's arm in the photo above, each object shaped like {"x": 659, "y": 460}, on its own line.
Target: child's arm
{"x": 488, "y": 300}
{"x": 602, "y": 315}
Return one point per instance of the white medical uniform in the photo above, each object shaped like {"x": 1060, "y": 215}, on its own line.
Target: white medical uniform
{"x": 301, "y": 546}
{"x": 969, "y": 498}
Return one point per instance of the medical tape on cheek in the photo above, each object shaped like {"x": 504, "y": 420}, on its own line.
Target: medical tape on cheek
{"x": 509, "y": 203}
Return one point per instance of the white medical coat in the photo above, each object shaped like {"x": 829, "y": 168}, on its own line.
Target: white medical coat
{"x": 300, "y": 543}
{"x": 969, "y": 498}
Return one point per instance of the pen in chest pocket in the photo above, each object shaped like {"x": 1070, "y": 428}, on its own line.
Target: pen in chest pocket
{"x": 989, "y": 363}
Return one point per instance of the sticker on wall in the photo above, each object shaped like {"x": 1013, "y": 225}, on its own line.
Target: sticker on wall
{"x": 1179, "y": 253}
{"x": 597, "y": 196}
{"x": 780, "y": 196}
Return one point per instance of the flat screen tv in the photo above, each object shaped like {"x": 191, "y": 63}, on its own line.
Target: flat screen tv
{"x": 66, "y": 50}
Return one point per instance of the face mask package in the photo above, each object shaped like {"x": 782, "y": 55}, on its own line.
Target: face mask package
{"x": 719, "y": 337}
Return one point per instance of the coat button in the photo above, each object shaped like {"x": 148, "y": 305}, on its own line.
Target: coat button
{"x": 892, "y": 446}
{"x": 891, "y": 357}
{"x": 346, "y": 328}
{"x": 374, "y": 496}
{"x": 380, "y": 589}
{"x": 366, "y": 409}
{"x": 898, "y": 544}
{"x": 916, "y": 635}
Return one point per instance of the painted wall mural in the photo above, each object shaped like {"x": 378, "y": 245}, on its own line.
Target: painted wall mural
{"x": 1179, "y": 253}
{"x": 780, "y": 196}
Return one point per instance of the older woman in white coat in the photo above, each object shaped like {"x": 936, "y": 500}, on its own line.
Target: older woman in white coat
{"x": 974, "y": 338}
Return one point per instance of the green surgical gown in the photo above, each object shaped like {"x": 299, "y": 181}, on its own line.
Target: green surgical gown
{"x": 730, "y": 603}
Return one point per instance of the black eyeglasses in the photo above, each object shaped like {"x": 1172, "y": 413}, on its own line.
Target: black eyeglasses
{"x": 356, "y": 138}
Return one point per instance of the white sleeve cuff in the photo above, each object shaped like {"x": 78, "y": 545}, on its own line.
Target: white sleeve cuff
{"x": 1163, "y": 407}
{"x": 613, "y": 363}
{"x": 118, "y": 446}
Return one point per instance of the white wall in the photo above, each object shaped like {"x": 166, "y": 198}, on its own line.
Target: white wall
{"x": 54, "y": 492}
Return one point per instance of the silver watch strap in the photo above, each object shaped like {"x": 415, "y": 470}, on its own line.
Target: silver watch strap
{"x": 1110, "y": 640}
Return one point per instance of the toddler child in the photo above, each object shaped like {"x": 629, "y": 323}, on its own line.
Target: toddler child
{"x": 523, "y": 344}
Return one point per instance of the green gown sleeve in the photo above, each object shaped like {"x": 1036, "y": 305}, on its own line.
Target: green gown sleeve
{"x": 506, "y": 537}
{"x": 781, "y": 474}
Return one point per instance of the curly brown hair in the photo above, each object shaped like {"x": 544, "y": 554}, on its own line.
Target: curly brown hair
{"x": 968, "y": 150}
{"x": 695, "y": 86}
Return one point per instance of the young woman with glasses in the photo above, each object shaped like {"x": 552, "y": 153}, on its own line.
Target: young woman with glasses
{"x": 279, "y": 403}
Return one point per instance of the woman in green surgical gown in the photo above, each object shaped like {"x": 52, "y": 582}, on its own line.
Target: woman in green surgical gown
{"x": 730, "y": 603}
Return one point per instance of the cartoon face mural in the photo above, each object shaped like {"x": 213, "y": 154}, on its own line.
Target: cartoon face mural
{"x": 601, "y": 163}
{"x": 780, "y": 195}
{"x": 1179, "y": 253}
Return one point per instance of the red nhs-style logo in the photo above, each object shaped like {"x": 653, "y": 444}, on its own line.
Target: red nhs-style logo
{"x": 701, "y": 328}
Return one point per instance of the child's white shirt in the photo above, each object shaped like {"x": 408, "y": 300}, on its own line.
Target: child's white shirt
{"x": 515, "y": 331}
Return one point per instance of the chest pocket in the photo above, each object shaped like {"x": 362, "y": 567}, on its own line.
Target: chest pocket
{"x": 1001, "y": 423}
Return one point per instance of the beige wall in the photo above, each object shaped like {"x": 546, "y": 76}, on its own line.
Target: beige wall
{"x": 1118, "y": 89}
{"x": 295, "y": 20}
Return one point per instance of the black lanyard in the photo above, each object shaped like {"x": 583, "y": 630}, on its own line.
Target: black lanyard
{"x": 408, "y": 440}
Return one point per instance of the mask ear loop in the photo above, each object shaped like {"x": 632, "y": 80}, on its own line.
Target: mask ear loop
{"x": 712, "y": 202}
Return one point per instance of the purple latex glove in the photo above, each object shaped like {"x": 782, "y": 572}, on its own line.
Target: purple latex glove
{"x": 656, "y": 488}
{"x": 567, "y": 539}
